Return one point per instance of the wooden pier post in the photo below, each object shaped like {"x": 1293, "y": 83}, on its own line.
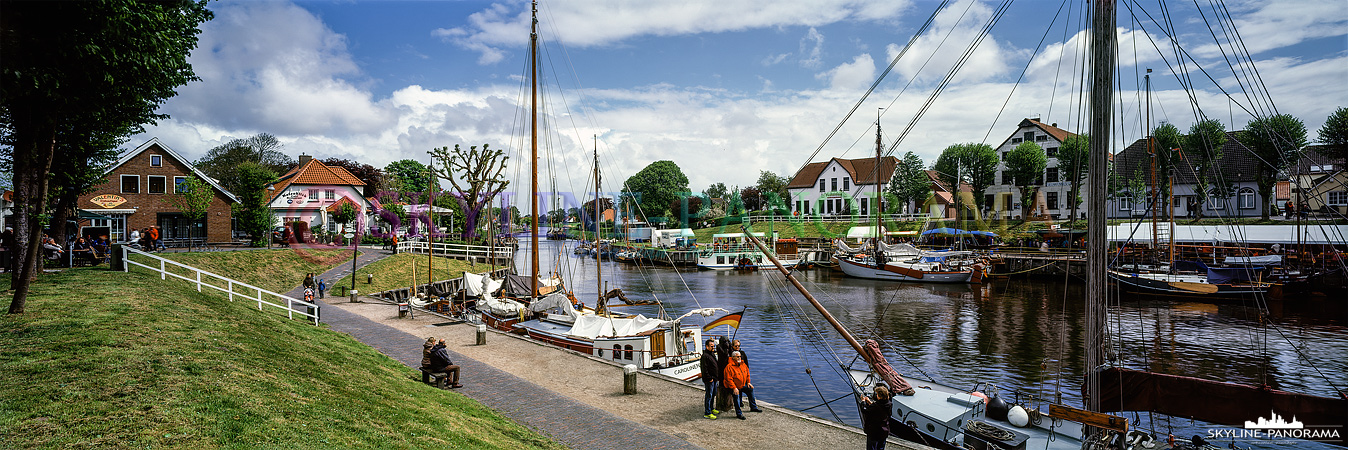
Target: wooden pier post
{"x": 481, "y": 334}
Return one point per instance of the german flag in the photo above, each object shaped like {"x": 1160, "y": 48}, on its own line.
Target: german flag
{"x": 732, "y": 319}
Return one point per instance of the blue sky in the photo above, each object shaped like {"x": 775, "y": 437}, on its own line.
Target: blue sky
{"x": 723, "y": 88}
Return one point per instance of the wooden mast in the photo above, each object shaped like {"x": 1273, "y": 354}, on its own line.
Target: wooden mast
{"x": 598, "y": 260}
{"x": 533, "y": 147}
{"x": 1102, "y": 91}
{"x": 875, "y": 206}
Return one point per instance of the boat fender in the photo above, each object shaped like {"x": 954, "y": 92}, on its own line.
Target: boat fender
{"x": 980, "y": 395}
{"x": 1018, "y": 417}
{"x": 997, "y": 408}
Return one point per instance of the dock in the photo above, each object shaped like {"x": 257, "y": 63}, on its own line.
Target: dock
{"x": 666, "y": 405}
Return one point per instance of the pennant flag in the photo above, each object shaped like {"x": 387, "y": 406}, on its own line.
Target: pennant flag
{"x": 732, "y": 319}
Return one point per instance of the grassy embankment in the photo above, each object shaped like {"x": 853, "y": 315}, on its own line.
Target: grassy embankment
{"x": 277, "y": 270}
{"x": 396, "y": 272}
{"x": 107, "y": 359}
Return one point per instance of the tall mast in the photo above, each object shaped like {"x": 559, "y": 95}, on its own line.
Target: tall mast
{"x": 598, "y": 262}
{"x": 1102, "y": 91}
{"x": 533, "y": 147}
{"x": 1155, "y": 186}
{"x": 875, "y": 206}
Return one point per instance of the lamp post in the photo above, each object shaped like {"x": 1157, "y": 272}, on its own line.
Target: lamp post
{"x": 271, "y": 187}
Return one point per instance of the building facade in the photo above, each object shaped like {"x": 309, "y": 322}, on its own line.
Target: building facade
{"x": 1003, "y": 200}
{"x": 137, "y": 195}
{"x": 840, "y": 187}
{"x": 313, "y": 192}
{"x": 1237, "y": 169}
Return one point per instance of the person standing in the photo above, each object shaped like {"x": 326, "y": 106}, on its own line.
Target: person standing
{"x": 322, "y": 286}
{"x": 6, "y": 248}
{"x": 735, "y": 347}
{"x": 710, "y": 379}
{"x": 440, "y": 362}
{"x": 875, "y": 414}
{"x": 722, "y": 359}
{"x": 309, "y": 280}
{"x": 737, "y": 379}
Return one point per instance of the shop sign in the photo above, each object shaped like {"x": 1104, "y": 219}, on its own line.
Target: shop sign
{"x": 108, "y": 200}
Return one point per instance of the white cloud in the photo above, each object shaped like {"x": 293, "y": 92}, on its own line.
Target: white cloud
{"x": 500, "y": 26}
{"x": 1271, "y": 24}
{"x": 937, "y": 50}
{"x": 810, "y": 48}
{"x": 857, "y": 74}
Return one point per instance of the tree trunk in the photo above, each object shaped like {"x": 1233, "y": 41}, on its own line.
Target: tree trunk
{"x": 34, "y": 149}
{"x": 65, "y": 203}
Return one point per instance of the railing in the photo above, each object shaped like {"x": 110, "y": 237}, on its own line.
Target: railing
{"x": 451, "y": 285}
{"x": 854, "y": 218}
{"x": 458, "y": 250}
{"x": 258, "y": 294}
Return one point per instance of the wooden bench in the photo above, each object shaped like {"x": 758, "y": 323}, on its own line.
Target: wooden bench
{"x": 440, "y": 378}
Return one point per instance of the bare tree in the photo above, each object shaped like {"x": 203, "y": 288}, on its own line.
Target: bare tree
{"x": 478, "y": 178}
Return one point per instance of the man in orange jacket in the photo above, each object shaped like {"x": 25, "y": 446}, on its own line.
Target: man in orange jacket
{"x": 737, "y": 380}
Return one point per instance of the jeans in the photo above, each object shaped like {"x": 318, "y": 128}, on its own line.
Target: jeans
{"x": 738, "y": 402}
{"x": 159, "y": 244}
{"x": 709, "y": 398}
{"x": 875, "y": 442}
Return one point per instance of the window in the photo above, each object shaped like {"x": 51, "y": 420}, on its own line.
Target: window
{"x": 987, "y": 201}
{"x": 1052, "y": 199}
{"x": 821, "y": 185}
{"x": 1004, "y": 156}
{"x": 1029, "y": 136}
{"x": 1126, "y": 202}
{"x": 847, "y": 183}
{"x": 627, "y": 352}
{"x": 865, "y": 206}
{"x": 156, "y": 161}
{"x": 1015, "y": 140}
{"x": 1339, "y": 198}
{"x": 830, "y": 206}
{"x": 1215, "y": 202}
{"x": 330, "y": 194}
{"x": 130, "y": 184}
{"x": 1245, "y": 199}
{"x": 617, "y": 351}
{"x": 832, "y": 184}
{"x": 155, "y": 184}
{"x": 1052, "y": 176}
{"x": 1041, "y": 138}
{"x": 1006, "y": 179}
{"x": 179, "y": 184}
{"x": 819, "y": 205}
{"x": 1039, "y": 180}
{"x": 1051, "y": 152}
{"x": 313, "y": 195}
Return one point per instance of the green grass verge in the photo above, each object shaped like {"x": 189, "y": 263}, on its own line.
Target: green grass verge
{"x": 395, "y": 272}
{"x": 277, "y": 270}
{"x": 110, "y": 359}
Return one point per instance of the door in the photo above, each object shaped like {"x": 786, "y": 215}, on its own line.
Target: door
{"x": 658, "y": 344}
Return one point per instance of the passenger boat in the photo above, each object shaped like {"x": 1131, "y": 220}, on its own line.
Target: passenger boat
{"x": 732, "y": 251}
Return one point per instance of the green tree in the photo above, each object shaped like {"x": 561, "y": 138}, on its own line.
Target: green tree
{"x": 87, "y": 153}
{"x": 1203, "y": 148}
{"x": 1334, "y": 136}
{"x": 476, "y": 177}
{"x": 222, "y": 162}
{"x": 104, "y": 65}
{"x": 1276, "y": 143}
{"x": 409, "y": 179}
{"x": 716, "y": 190}
{"x": 193, "y": 198}
{"x": 975, "y": 164}
{"x": 1073, "y": 165}
{"x": 772, "y": 190}
{"x": 1026, "y": 164}
{"x": 254, "y": 214}
{"x": 910, "y": 182}
{"x": 657, "y": 185}
{"x": 344, "y": 215}
{"x": 371, "y": 176}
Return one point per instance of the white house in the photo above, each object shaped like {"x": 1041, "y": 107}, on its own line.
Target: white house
{"x": 839, "y": 186}
{"x": 313, "y": 191}
{"x": 1002, "y": 199}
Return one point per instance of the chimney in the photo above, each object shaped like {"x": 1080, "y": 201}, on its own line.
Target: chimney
{"x": 304, "y": 159}
{"x": 1055, "y": 124}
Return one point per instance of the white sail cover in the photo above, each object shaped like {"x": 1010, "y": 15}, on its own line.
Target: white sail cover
{"x": 842, "y": 247}
{"x": 899, "y": 249}
{"x": 555, "y": 300}
{"x": 499, "y": 306}
{"x": 477, "y": 285}
{"x": 595, "y": 326}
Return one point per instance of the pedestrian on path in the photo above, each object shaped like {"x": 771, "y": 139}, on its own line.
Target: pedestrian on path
{"x": 875, "y": 414}
{"x": 309, "y": 281}
{"x": 322, "y": 286}
{"x": 737, "y": 380}
{"x": 440, "y": 362}
{"x": 710, "y": 379}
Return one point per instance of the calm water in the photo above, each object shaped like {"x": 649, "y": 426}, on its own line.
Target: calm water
{"x": 1020, "y": 334}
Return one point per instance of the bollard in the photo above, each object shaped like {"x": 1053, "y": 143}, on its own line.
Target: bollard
{"x": 354, "y": 293}
{"x": 630, "y": 379}
{"x": 402, "y": 310}
{"x": 369, "y": 278}
{"x": 481, "y": 334}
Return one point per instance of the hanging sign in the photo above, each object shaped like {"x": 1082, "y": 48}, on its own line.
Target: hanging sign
{"x": 108, "y": 200}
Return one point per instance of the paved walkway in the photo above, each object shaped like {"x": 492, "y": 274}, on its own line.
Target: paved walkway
{"x": 562, "y": 418}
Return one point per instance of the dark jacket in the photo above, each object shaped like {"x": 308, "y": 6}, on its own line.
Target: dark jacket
{"x": 440, "y": 357}
{"x": 709, "y": 366}
{"x": 722, "y": 355}
{"x": 426, "y": 354}
{"x": 876, "y": 417}
{"x": 308, "y": 282}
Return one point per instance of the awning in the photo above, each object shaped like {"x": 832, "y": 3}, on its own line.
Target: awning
{"x": 954, "y": 231}
{"x": 87, "y": 215}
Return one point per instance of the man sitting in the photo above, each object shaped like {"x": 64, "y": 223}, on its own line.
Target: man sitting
{"x": 52, "y": 250}
{"x": 440, "y": 363}
{"x": 83, "y": 251}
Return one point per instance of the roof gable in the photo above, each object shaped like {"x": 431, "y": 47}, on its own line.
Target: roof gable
{"x": 155, "y": 142}
{"x": 861, "y": 170}
{"x": 315, "y": 172}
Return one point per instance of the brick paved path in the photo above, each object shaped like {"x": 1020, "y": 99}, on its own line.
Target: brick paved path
{"x": 562, "y": 418}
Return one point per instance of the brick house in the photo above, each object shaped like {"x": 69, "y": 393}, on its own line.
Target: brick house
{"x": 137, "y": 191}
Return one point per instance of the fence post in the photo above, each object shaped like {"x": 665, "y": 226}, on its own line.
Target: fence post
{"x": 481, "y": 334}
{"x": 630, "y": 379}
{"x": 162, "y": 275}
{"x": 198, "y": 280}
{"x": 231, "y": 288}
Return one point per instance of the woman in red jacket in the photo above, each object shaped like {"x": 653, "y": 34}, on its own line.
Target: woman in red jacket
{"x": 737, "y": 380}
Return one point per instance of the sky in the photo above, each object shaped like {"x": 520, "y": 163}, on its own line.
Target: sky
{"x": 726, "y": 88}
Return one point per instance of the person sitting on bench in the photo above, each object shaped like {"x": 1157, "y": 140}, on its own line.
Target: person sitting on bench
{"x": 440, "y": 363}
{"x": 83, "y": 251}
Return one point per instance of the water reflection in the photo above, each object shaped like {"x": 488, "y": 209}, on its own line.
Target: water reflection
{"x": 1024, "y": 334}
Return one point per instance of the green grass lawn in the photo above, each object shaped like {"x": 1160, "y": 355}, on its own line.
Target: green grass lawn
{"x": 124, "y": 360}
{"x": 395, "y": 272}
{"x": 277, "y": 270}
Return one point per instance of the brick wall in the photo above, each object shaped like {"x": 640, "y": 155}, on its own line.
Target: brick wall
{"x": 149, "y": 205}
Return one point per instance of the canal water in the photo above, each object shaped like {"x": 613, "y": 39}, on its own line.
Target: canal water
{"x": 1016, "y": 334}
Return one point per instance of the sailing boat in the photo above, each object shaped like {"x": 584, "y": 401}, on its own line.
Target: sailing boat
{"x": 656, "y": 344}
{"x": 902, "y": 264}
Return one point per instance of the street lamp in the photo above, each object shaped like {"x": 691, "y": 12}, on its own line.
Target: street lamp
{"x": 271, "y": 187}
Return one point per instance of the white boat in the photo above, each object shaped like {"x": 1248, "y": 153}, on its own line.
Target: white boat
{"x": 917, "y": 271}
{"x": 732, "y": 251}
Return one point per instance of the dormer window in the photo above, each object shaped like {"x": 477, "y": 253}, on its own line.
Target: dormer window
{"x": 1043, "y": 137}
{"x": 156, "y": 161}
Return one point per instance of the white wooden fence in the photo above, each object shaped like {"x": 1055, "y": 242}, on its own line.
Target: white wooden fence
{"x": 859, "y": 219}
{"x": 248, "y": 292}
{"x": 457, "y": 250}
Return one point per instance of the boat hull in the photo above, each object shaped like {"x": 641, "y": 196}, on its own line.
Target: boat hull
{"x": 732, "y": 261}
{"x": 1188, "y": 286}
{"x": 894, "y": 272}
{"x": 551, "y": 333}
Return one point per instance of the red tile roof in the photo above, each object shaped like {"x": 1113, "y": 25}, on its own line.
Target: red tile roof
{"x": 1058, "y": 133}
{"x": 315, "y": 173}
{"x": 335, "y": 207}
{"x": 862, "y": 171}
